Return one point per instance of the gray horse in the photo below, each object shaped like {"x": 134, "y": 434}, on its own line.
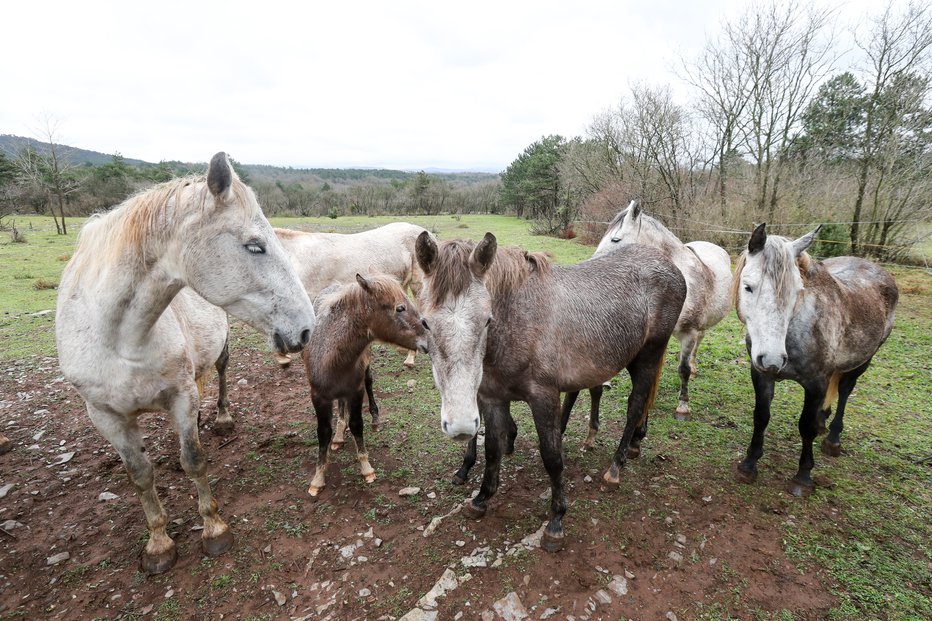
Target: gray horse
{"x": 507, "y": 326}
{"x": 818, "y": 323}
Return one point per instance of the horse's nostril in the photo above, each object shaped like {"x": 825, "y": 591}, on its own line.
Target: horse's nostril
{"x": 760, "y": 361}
{"x": 784, "y": 359}
{"x": 476, "y": 423}
{"x": 305, "y": 337}
{"x": 444, "y": 426}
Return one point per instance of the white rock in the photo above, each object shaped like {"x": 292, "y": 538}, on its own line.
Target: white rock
{"x": 460, "y": 543}
{"x": 549, "y": 613}
{"x": 368, "y": 534}
{"x": 587, "y": 479}
{"x": 420, "y": 615}
{"x": 409, "y": 491}
{"x": 107, "y": 496}
{"x": 618, "y": 585}
{"x": 671, "y": 616}
{"x": 11, "y": 525}
{"x": 55, "y": 559}
{"x": 676, "y": 557}
{"x": 242, "y": 382}
{"x": 169, "y": 593}
{"x": 5, "y": 489}
{"x": 629, "y": 575}
{"x": 681, "y": 539}
{"x": 602, "y": 597}
{"x": 364, "y": 592}
{"x": 510, "y": 608}
{"x": 431, "y": 495}
{"x": 411, "y": 383}
{"x": 279, "y": 598}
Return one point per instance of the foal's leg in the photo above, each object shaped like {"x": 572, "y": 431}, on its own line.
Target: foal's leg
{"x": 595, "y": 398}
{"x": 496, "y": 425}
{"x": 216, "y": 538}
{"x": 763, "y": 396}
{"x": 544, "y": 409}
{"x": 123, "y": 433}
{"x": 469, "y": 460}
{"x": 409, "y": 361}
{"x": 323, "y": 408}
{"x": 689, "y": 341}
{"x": 224, "y": 424}
{"x": 645, "y": 377}
{"x": 354, "y": 404}
{"x": 831, "y": 444}
{"x": 373, "y": 406}
{"x": 801, "y": 484}
{"x": 339, "y": 428}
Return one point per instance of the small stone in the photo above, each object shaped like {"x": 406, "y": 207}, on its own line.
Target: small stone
{"x": 412, "y": 383}
{"x": 629, "y": 575}
{"x": 431, "y": 495}
{"x": 105, "y": 496}
{"x": 668, "y": 520}
{"x": 619, "y": 585}
{"x": 146, "y": 609}
{"x": 242, "y": 382}
{"x": 11, "y": 525}
{"x": 169, "y": 593}
{"x": 377, "y": 542}
{"x": 681, "y": 539}
{"x": 549, "y": 613}
{"x": 42, "y": 412}
{"x": 460, "y": 543}
{"x": 362, "y": 559}
{"x": 602, "y": 597}
{"x": 707, "y": 498}
{"x": 5, "y": 489}
{"x": 39, "y": 435}
{"x": 55, "y": 559}
{"x": 409, "y": 491}
{"x": 587, "y": 479}
{"x": 267, "y": 549}
{"x": 364, "y": 592}
{"x": 279, "y": 598}
{"x": 671, "y": 616}
{"x": 368, "y": 534}
{"x": 676, "y": 557}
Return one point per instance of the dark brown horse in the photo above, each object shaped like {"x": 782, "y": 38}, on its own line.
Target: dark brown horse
{"x": 350, "y": 318}
{"x": 507, "y": 326}
{"x": 818, "y": 323}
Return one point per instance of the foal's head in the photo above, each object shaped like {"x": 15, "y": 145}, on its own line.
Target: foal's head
{"x": 768, "y": 280}
{"x": 390, "y": 315}
{"x": 457, "y": 309}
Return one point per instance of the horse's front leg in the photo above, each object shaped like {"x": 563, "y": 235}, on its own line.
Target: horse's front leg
{"x": 763, "y": 396}
{"x": 545, "y": 409}
{"x": 373, "y": 406}
{"x": 224, "y": 424}
{"x": 689, "y": 341}
{"x": 123, "y": 433}
{"x": 802, "y": 484}
{"x": 323, "y": 408}
{"x": 216, "y": 537}
{"x": 409, "y": 361}
{"x": 469, "y": 460}
{"x": 495, "y": 416}
{"x": 354, "y": 405}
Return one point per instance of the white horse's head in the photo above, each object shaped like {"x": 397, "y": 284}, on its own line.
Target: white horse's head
{"x": 233, "y": 259}
{"x": 457, "y": 310}
{"x": 632, "y": 225}
{"x": 767, "y": 285}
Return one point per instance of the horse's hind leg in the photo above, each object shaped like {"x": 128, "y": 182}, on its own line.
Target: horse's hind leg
{"x": 356, "y": 428}
{"x": 323, "y": 408}
{"x": 216, "y": 537}
{"x": 802, "y": 484}
{"x": 595, "y": 397}
{"x": 689, "y": 342}
{"x": 831, "y": 444}
{"x": 568, "y": 402}
{"x": 224, "y": 424}
{"x": 373, "y": 406}
{"x": 160, "y": 553}
{"x": 645, "y": 377}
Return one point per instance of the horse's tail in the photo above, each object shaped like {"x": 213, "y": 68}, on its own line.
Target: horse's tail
{"x": 831, "y": 393}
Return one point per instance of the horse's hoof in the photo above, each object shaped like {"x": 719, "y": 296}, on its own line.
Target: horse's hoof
{"x": 369, "y": 478}
{"x": 800, "y": 489}
{"x": 154, "y": 564}
{"x": 611, "y": 478}
{"x": 283, "y": 360}
{"x": 586, "y": 447}
{"x": 224, "y": 428}
{"x": 832, "y": 449}
{"x": 474, "y": 512}
{"x": 458, "y": 480}
{"x": 336, "y": 446}
{"x": 682, "y": 413}
{"x": 745, "y": 476}
{"x": 634, "y": 452}
{"x": 220, "y": 544}
{"x": 551, "y": 542}
{"x": 376, "y": 424}
{"x": 314, "y": 490}
{"x": 408, "y": 364}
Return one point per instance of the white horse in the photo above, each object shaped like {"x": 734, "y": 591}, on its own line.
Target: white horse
{"x": 132, "y": 338}
{"x": 324, "y": 259}
{"x": 707, "y": 270}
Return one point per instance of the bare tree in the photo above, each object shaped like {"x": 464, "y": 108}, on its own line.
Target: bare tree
{"x": 896, "y": 46}
{"x": 50, "y": 172}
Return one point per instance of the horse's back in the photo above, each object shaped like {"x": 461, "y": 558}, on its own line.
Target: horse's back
{"x": 869, "y": 291}
{"x": 708, "y": 277}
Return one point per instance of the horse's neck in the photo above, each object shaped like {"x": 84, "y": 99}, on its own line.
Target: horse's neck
{"x": 347, "y": 337}
{"x": 137, "y": 302}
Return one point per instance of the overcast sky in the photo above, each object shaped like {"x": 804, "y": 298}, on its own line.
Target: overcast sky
{"x": 408, "y": 85}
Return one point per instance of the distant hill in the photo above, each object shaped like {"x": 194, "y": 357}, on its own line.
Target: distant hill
{"x": 11, "y": 145}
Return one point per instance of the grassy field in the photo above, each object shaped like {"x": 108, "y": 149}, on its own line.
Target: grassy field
{"x": 867, "y": 532}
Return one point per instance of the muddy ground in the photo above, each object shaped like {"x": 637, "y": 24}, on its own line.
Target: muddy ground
{"x": 669, "y": 543}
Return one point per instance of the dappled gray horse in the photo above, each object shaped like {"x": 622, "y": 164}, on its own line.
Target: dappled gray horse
{"x": 135, "y": 333}
{"x": 818, "y": 323}
{"x": 507, "y": 326}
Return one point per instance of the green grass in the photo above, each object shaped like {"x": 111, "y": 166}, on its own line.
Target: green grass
{"x": 867, "y": 534}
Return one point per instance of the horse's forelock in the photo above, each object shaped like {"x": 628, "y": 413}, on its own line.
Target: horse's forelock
{"x": 451, "y": 275}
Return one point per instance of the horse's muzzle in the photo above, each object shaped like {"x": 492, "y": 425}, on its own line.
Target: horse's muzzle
{"x": 285, "y": 345}
{"x": 461, "y": 432}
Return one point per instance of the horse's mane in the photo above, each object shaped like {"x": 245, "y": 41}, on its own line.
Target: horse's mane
{"x": 142, "y": 221}
{"x": 777, "y": 262}
{"x": 512, "y": 266}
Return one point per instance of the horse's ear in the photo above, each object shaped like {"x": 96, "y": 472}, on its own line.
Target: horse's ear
{"x": 363, "y": 283}
{"x": 805, "y": 241}
{"x": 635, "y": 208}
{"x": 758, "y": 238}
{"x": 219, "y": 175}
{"x": 483, "y": 255}
{"x": 425, "y": 248}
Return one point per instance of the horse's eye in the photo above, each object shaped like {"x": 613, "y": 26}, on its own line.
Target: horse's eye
{"x": 615, "y": 240}
{"x": 748, "y": 289}
{"x": 255, "y": 247}
{"x": 400, "y": 308}
{"x": 424, "y": 323}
